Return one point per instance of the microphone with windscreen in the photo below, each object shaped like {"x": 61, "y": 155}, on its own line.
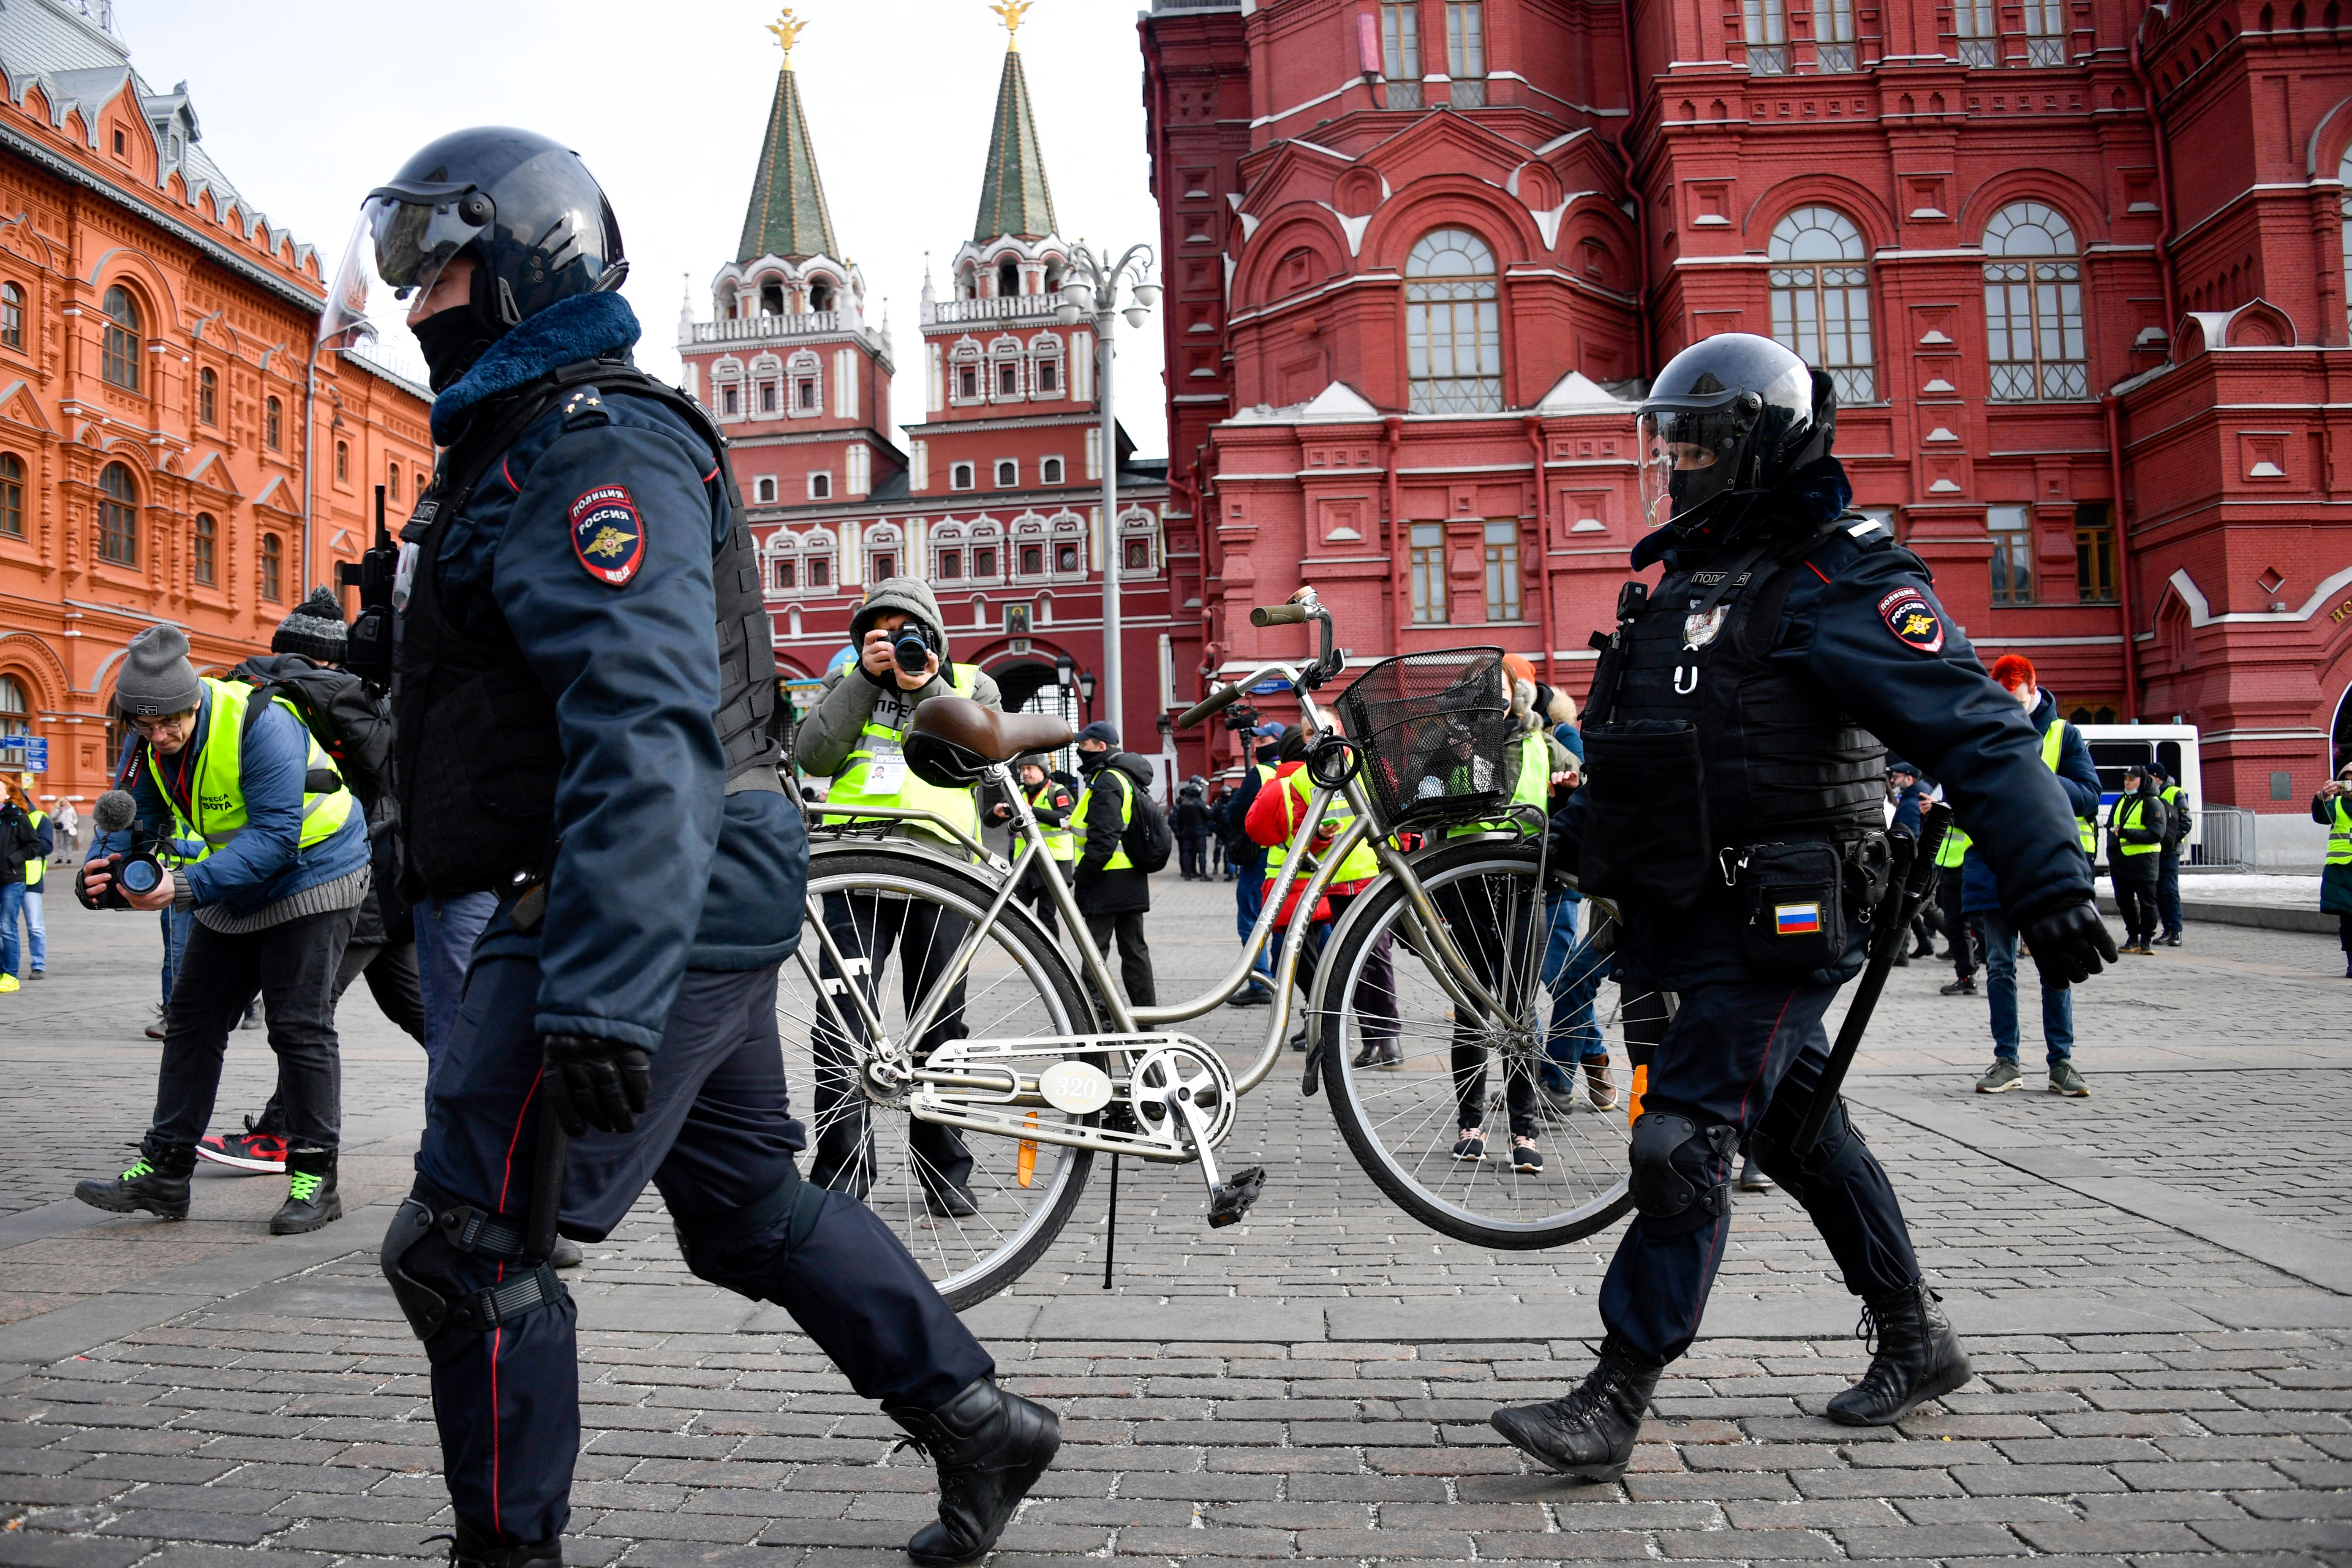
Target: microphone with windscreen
{"x": 136, "y": 871}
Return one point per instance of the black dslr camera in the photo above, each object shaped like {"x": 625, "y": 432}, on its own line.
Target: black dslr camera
{"x": 1240, "y": 716}
{"x": 136, "y": 871}
{"x": 911, "y": 646}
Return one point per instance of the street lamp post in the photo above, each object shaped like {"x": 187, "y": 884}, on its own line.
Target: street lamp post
{"x": 1091, "y": 291}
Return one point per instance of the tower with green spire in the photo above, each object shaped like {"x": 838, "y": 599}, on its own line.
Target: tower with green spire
{"x": 787, "y": 215}
{"x": 1014, "y": 196}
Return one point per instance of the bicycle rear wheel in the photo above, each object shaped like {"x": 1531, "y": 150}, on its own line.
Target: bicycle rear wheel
{"x": 889, "y": 920}
{"x": 1409, "y": 1068}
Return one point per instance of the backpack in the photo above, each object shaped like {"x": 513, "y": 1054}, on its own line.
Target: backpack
{"x": 1146, "y": 839}
{"x": 349, "y": 724}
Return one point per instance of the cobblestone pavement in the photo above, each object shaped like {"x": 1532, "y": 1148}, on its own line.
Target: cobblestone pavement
{"x": 2154, "y": 1283}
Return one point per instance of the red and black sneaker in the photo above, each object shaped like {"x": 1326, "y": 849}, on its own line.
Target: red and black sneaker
{"x": 257, "y": 1153}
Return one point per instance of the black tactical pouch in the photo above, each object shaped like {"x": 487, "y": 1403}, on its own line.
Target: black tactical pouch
{"x": 1792, "y": 901}
{"x": 1646, "y": 837}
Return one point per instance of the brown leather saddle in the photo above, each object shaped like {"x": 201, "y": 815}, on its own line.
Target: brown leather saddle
{"x": 954, "y": 740}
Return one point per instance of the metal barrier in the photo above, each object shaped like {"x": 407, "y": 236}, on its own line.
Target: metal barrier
{"x": 2226, "y": 840}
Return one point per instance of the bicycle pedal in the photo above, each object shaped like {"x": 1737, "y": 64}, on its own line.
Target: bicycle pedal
{"x": 1233, "y": 1199}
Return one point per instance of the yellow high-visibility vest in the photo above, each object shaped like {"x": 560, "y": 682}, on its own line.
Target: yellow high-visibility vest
{"x": 216, "y": 811}
{"x": 851, "y": 786}
{"x": 2053, "y": 740}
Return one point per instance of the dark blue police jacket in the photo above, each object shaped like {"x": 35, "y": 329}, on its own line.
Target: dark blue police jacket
{"x": 1926, "y": 696}
{"x": 660, "y": 870}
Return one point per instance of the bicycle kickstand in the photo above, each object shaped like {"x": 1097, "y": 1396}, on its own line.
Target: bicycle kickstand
{"x": 1228, "y": 1201}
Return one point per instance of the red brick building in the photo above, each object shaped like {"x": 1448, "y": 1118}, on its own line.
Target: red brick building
{"x": 2078, "y": 269}
{"x": 168, "y": 449}
{"x": 996, "y": 500}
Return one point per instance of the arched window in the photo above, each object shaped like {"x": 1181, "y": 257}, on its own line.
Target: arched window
{"x": 391, "y": 481}
{"x": 821, "y": 294}
{"x": 1453, "y": 344}
{"x": 772, "y": 298}
{"x": 206, "y": 564}
{"x": 2033, "y": 306}
{"x": 12, "y": 316}
{"x": 1821, "y": 311}
{"x": 15, "y": 711}
{"x": 273, "y": 424}
{"x": 342, "y": 462}
{"x": 273, "y": 568}
{"x": 208, "y": 397}
{"x": 2343, "y": 177}
{"x": 119, "y": 362}
{"x": 118, "y": 516}
{"x": 12, "y": 495}
{"x": 1008, "y": 278}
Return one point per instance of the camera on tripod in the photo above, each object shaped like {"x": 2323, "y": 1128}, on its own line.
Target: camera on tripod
{"x": 1240, "y": 717}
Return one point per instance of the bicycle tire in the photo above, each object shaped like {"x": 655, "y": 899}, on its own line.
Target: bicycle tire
{"x": 1375, "y": 915}
{"x": 881, "y": 870}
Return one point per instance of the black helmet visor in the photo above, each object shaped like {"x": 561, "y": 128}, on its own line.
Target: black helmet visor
{"x": 399, "y": 245}
{"x": 1692, "y": 451}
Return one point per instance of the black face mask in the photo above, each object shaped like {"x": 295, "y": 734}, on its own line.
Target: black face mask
{"x": 451, "y": 341}
{"x": 1092, "y": 761}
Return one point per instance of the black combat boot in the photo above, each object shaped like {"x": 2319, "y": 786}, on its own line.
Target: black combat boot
{"x": 1917, "y": 1357}
{"x": 990, "y": 1447}
{"x": 472, "y": 1548}
{"x": 1589, "y": 1435}
{"x": 158, "y": 1185}
{"x": 312, "y": 1200}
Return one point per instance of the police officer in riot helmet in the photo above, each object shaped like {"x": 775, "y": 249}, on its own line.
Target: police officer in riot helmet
{"x": 1735, "y": 735}
{"x": 583, "y": 684}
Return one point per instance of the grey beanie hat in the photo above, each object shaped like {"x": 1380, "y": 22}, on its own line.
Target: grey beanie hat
{"x": 315, "y": 629}
{"x": 157, "y": 678}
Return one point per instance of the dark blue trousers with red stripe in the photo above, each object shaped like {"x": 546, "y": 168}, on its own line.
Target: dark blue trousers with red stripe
{"x": 716, "y": 1139}
{"x": 1747, "y": 1055}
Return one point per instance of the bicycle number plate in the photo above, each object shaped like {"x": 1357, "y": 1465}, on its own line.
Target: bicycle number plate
{"x": 1076, "y": 1088}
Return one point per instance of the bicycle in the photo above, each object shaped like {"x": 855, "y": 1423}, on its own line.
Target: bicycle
{"x": 969, "y": 1114}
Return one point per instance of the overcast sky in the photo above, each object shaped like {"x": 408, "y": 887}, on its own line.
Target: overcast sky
{"x": 306, "y": 106}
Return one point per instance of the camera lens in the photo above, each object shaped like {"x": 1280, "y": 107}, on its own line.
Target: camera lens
{"x": 912, "y": 652}
{"x": 140, "y": 876}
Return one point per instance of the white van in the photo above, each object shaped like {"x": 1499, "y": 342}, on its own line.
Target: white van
{"x": 2172, "y": 747}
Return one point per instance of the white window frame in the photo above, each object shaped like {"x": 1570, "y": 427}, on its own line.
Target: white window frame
{"x": 820, "y": 484}
{"x": 1060, "y": 473}
{"x": 803, "y": 364}
{"x": 997, "y": 468}
{"x": 963, "y": 476}
{"x": 763, "y": 491}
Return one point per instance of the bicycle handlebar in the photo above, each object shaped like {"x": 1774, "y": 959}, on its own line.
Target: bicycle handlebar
{"x": 1216, "y": 702}
{"x": 1279, "y": 616}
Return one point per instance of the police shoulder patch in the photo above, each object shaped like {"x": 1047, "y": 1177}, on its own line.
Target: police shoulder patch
{"x": 1913, "y": 620}
{"x": 608, "y": 535}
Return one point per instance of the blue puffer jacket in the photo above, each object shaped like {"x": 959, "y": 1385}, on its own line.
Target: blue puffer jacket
{"x": 661, "y": 871}
{"x": 264, "y": 863}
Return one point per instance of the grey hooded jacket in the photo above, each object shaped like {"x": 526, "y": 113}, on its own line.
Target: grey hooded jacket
{"x": 851, "y": 697}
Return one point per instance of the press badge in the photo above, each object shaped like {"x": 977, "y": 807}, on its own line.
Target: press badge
{"x": 886, "y": 772}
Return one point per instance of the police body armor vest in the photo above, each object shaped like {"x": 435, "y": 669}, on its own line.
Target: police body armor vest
{"x": 1697, "y": 744}
{"x": 479, "y": 751}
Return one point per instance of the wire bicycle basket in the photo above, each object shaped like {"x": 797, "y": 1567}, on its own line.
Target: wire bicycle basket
{"x": 1435, "y": 729}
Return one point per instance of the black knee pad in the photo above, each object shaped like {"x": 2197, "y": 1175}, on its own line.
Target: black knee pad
{"x": 1833, "y": 1158}
{"x": 1681, "y": 1175}
{"x": 428, "y": 1256}
{"x": 747, "y": 1250}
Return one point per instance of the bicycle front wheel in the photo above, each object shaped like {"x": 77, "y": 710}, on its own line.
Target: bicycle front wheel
{"x": 1410, "y": 1067}
{"x": 976, "y": 1209}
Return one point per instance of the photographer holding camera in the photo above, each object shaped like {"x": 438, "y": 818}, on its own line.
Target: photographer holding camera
{"x": 273, "y": 898}
{"x": 856, "y": 735}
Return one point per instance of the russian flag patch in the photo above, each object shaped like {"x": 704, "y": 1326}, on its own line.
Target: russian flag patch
{"x": 1796, "y": 920}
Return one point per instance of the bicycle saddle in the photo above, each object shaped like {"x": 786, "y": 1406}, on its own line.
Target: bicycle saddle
{"x": 955, "y": 740}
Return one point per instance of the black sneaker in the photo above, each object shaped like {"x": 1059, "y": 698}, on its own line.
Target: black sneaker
{"x": 1526, "y": 1158}
{"x": 1966, "y": 986}
{"x": 1250, "y": 996}
{"x": 1470, "y": 1147}
{"x": 949, "y": 1200}
{"x": 160, "y": 1189}
{"x": 311, "y": 1202}
{"x": 566, "y": 1254}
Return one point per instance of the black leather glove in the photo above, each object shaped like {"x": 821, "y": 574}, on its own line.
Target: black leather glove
{"x": 597, "y": 1083}
{"x": 2068, "y": 943}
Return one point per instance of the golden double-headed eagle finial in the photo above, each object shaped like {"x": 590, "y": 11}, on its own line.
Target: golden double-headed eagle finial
{"x": 1011, "y": 10}
{"x": 786, "y": 30}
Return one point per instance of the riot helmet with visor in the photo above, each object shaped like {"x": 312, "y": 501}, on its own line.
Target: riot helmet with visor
{"x": 1726, "y": 421}
{"x": 524, "y": 208}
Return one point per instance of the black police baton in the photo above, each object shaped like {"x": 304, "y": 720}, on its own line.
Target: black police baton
{"x": 546, "y": 1186}
{"x": 1911, "y": 870}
